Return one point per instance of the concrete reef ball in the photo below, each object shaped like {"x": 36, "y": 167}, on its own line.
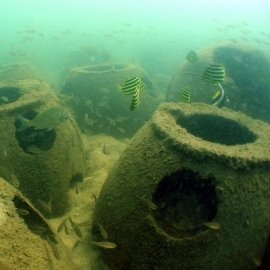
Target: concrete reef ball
{"x": 190, "y": 192}
{"x": 44, "y": 164}
{"x": 27, "y": 239}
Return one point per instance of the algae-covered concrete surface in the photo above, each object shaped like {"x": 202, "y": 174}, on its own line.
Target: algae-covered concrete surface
{"x": 21, "y": 249}
{"x": 44, "y": 162}
{"x": 246, "y": 80}
{"x": 102, "y": 153}
{"x": 27, "y": 239}
{"x": 130, "y": 202}
{"x": 229, "y": 231}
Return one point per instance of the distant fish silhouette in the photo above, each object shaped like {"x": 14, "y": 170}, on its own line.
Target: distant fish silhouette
{"x": 185, "y": 95}
{"x": 192, "y": 57}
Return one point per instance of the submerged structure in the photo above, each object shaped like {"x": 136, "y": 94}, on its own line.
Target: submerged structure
{"x": 44, "y": 162}
{"x": 190, "y": 192}
{"x": 247, "y": 80}
{"x": 93, "y": 92}
{"x": 28, "y": 241}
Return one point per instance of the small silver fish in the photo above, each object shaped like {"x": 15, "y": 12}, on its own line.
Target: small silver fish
{"x": 103, "y": 232}
{"x": 76, "y": 244}
{"x": 212, "y": 225}
{"x": 4, "y": 98}
{"x": 104, "y": 244}
{"x": 22, "y": 212}
{"x": 62, "y": 224}
{"x": 46, "y": 206}
{"x": 54, "y": 249}
{"x": 75, "y": 228}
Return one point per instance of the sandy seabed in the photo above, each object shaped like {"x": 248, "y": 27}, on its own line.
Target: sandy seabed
{"x": 101, "y": 153}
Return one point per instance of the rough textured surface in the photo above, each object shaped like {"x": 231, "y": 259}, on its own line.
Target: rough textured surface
{"x": 247, "y": 79}
{"x": 100, "y": 107}
{"x": 238, "y": 174}
{"x": 22, "y": 247}
{"x": 22, "y": 71}
{"x": 43, "y": 174}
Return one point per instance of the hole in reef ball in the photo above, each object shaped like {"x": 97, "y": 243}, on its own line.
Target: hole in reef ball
{"x": 9, "y": 94}
{"x": 33, "y": 140}
{"x": 184, "y": 201}
{"x": 217, "y": 129}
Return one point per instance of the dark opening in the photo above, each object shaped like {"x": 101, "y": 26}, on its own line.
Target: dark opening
{"x": 33, "y": 221}
{"x": 184, "y": 201}
{"x": 9, "y": 94}
{"x": 217, "y": 129}
{"x": 75, "y": 180}
{"x": 33, "y": 140}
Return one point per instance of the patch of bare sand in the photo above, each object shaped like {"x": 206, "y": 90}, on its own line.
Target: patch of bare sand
{"x": 101, "y": 153}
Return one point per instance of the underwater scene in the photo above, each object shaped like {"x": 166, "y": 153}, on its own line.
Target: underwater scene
{"x": 135, "y": 135}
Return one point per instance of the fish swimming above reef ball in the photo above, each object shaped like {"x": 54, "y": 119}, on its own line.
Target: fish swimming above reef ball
{"x": 133, "y": 87}
{"x": 214, "y": 73}
{"x": 192, "y": 57}
{"x": 186, "y": 95}
{"x": 129, "y": 86}
{"x": 220, "y": 98}
{"x": 47, "y": 119}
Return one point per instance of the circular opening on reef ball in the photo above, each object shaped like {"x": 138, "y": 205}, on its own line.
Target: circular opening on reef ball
{"x": 184, "y": 201}
{"x": 33, "y": 140}
{"x": 9, "y": 94}
{"x": 217, "y": 129}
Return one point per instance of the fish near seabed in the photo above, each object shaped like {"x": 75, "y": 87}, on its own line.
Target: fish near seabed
{"x": 104, "y": 244}
{"x": 47, "y": 119}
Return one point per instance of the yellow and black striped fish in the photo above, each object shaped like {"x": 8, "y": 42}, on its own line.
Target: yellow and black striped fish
{"x": 192, "y": 57}
{"x": 133, "y": 87}
{"x": 185, "y": 95}
{"x": 135, "y": 100}
{"x": 214, "y": 73}
{"x": 220, "y": 97}
{"x": 129, "y": 86}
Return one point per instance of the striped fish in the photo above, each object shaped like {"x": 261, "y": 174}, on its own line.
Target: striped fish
{"x": 129, "y": 86}
{"x": 185, "y": 95}
{"x": 214, "y": 73}
{"x": 192, "y": 57}
{"x": 135, "y": 99}
{"x": 220, "y": 97}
